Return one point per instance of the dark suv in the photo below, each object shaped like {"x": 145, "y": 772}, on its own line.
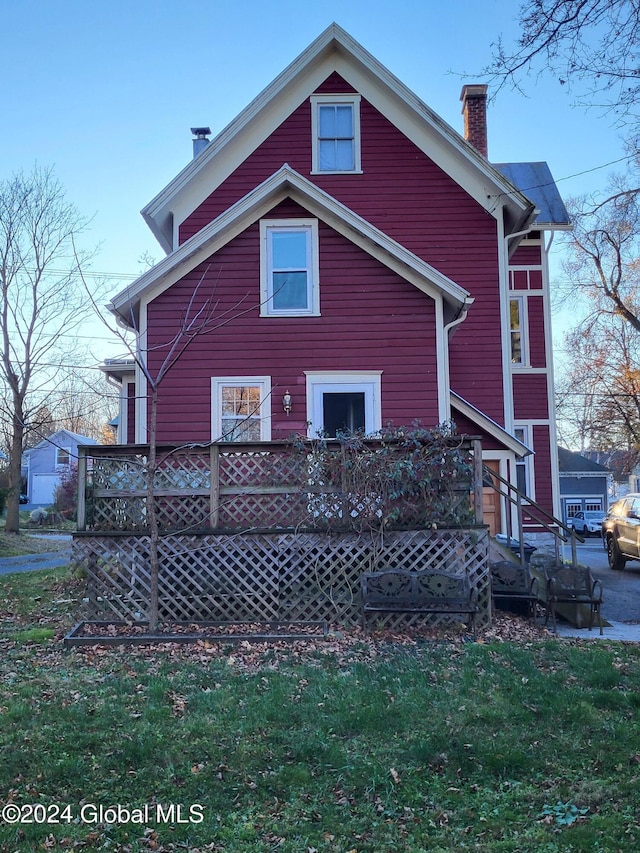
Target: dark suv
{"x": 621, "y": 531}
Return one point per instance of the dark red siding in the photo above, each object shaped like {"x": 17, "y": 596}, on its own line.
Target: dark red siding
{"x": 371, "y": 319}
{"x": 406, "y": 195}
{"x": 542, "y": 466}
{"x": 529, "y": 396}
{"x": 537, "y": 353}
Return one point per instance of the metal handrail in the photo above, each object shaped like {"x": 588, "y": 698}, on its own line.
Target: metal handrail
{"x": 537, "y": 512}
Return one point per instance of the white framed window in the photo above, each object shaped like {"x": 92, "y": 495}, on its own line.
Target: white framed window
{"x": 523, "y": 466}
{"x": 241, "y": 408}
{"x": 518, "y": 331}
{"x": 343, "y": 402}
{"x": 335, "y": 131}
{"x": 572, "y": 508}
{"x": 289, "y": 268}
{"x": 63, "y": 456}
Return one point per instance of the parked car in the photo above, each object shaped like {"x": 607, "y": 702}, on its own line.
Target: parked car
{"x": 587, "y": 522}
{"x": 621, "y": 531}
{"x": 24, "y": 499}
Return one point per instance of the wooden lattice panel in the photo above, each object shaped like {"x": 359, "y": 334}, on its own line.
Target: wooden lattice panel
{"x": 271, "y": 577}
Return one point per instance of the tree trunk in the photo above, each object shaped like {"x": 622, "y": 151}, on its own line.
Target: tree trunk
{"x": 12, "y": 523}
{"x": 154, "y": 536}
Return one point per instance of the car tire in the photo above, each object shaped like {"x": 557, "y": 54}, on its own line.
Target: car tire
{"x": 616, "y": 560}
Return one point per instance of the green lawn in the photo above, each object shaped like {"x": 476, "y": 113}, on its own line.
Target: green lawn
{"x": 344, "y": 744}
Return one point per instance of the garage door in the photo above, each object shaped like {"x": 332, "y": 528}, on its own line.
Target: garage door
{"x": 42, "y": 488}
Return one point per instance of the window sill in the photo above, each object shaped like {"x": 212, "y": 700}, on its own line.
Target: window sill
{"x": 337, "y": 172}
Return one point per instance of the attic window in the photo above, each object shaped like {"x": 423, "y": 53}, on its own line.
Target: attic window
{"x": 63, "y": 457}
{"x": 335, "y": 130}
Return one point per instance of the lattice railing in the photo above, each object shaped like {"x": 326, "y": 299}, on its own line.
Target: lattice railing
{"x": 261, "y": 577}
{"x": 280, "y": 486}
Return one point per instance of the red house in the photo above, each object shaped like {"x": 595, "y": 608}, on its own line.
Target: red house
{"x": 357, "y": 263}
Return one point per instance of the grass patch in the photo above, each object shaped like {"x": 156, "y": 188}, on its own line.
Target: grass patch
{"x": 22, "y": 544}
{"x": 335, "y": 745}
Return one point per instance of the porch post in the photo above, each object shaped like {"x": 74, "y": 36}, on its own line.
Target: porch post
{"x": 82, "y": 488}
{"x": 214, "y": 485}
{"x": 478, "y": 476}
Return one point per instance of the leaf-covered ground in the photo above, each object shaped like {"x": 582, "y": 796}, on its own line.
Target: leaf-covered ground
{"x": 519, "y": 742}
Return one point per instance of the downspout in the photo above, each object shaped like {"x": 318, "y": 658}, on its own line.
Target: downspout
{"x": 447, "y": 331}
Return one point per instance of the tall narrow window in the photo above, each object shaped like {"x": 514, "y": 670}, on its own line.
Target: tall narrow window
{"x": 515, "y": 320}
{"x": 523, "y": 474}
{"x": 240, "y": 409}
{"x": 336, "y": 133}
{"x": 289, "y": 268}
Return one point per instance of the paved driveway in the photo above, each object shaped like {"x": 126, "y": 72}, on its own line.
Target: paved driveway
{"x": 28, "y": 562}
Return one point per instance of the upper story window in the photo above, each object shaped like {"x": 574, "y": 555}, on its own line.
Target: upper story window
{"x": 63, "y": 456}
{"x": 289, "y": 279}
{"x": 335, "y": 128}
{"x": 517, "y": 325}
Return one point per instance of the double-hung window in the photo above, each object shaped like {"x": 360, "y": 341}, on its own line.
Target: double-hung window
{"x": 289, "y": 268}
{"x": 335, "y": 127}
{"x": 241, "y": 408}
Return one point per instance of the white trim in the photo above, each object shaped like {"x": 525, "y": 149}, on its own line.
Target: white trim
{"x": 442, "y": 363}
{"x": 333, "y": 50}
{"x": 67, "y": 451}
{"x": 328, "y": 100}
{"x": 123, "y": 422}
{"x": 263, "y": 382}
{"x": 503, "y": 273}
{"x": 368, "y": 382}
{"x": 287, "y": 183}
{"x": 488, "y": 425}
{"x": 551, "y": 395}
{"x": 521, "y": 299}
{"x": 310, "y": 227}
{"x": 527, "y": 461}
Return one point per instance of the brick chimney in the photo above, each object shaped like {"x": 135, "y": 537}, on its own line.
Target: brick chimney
{"x": 474, "y": 110}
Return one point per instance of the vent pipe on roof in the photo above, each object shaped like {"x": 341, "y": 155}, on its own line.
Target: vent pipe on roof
{"x": 474, "y": 110}
{"x": 201, "y": 139}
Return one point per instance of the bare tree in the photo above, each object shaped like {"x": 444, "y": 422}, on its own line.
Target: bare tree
{"x": 590, "y": 46}
{"x": 81, "y": 405}
{"x": 598, "y": 395}
{"x": 603, "y": 268}
{"x": 201, "y": 316}
{"x": 41, "y": 302}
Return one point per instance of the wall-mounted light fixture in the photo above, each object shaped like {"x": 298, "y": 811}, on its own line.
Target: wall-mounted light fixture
{"x": 286, "y": 402}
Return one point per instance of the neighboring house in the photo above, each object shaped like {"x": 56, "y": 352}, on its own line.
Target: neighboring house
{"x": 366, "y": 264}
{"x": 624, "y": 466}
{"x": 44, "y": 464}
{"x": 584, "y": 484}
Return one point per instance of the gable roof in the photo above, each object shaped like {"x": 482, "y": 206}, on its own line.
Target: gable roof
{"x": 334, "y": 50}
{"x": 574, "y": 463}
{"x": 59, "y": 435}
{"x": 287, "y": 183}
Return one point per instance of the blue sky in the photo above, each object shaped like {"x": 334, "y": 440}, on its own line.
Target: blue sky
{"x": 106, "y": 92}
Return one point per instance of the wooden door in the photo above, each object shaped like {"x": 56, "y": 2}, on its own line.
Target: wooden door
{"x": 491, "y": 500}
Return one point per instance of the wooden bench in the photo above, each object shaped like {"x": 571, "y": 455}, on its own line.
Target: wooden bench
{"x": 428, "y": 592}
{"x": 572, "y": 585}
{"x": 511, "y": 582}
